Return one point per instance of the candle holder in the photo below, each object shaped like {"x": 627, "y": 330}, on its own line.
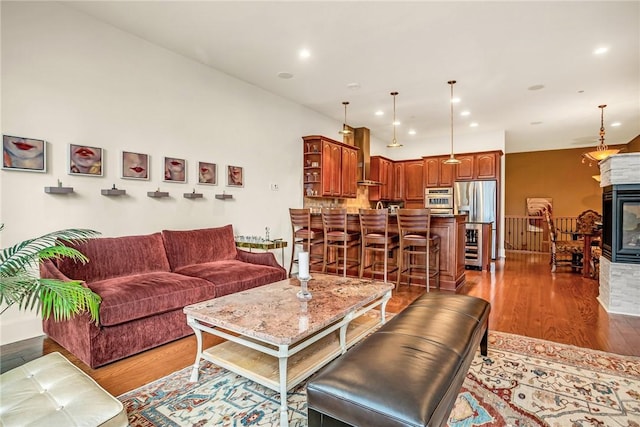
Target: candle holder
{"x": 304, "y": 294}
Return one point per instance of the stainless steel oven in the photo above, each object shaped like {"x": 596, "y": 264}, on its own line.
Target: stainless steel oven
{"x": 439, "y": 200}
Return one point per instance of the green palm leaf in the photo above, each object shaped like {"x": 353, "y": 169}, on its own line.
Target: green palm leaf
{"x": 20, "y": 284}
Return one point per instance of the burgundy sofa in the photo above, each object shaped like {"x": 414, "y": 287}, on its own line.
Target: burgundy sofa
{"x": 146, "y": 281}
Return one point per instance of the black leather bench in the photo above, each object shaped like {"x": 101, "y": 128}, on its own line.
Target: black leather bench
{"x": 409, "y": 372}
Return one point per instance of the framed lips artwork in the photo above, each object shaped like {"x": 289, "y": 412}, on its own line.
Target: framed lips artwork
{"x": 85, "y": 160}
{"x": 135, "y": 165}
{"x": 207, "y": 173}
{"x": 175, "y": 170}
{"x": 24, "y": 154}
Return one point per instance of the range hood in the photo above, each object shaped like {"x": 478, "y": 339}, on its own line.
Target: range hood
{"x": 361, "y": 140}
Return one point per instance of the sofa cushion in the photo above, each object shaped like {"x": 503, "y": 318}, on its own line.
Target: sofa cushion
{"x": 199, "y": 246}
{"x": 140, "y": 295}
{"x": 232, "y": 276}
{"x": 116, "y": 256}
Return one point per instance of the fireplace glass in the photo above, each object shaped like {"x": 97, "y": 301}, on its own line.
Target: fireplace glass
{"x": 621, "y": 223}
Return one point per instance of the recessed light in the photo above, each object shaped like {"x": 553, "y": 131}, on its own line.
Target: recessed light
{"x": 600, "y": 50}
{"x": 473, "y": 125}
{"x": 285, "y": 75}
{"x": 465, "y": 113}
{"x": 396, "y": 123}
{"x": 379, "y": 113}
{"x": 353, "y": 86}
{"x": 536, "y": 87}
{"x": 412, "y": 132}
{"x": 455, "y": 100}
{"x": 615, "y": 124}
{"x": 304, "y": 53}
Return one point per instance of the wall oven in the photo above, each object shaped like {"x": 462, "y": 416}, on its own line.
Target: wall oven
{"x": 439, "y": 200}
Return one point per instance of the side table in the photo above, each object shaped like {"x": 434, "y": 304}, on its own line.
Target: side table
{"x": 265, "y": 245}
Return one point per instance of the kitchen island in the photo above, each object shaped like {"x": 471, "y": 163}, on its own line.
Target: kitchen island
{"x": 450, "y": 229}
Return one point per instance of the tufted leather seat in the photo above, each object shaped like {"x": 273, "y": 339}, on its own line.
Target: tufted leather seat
{"x": 51, "y": 391}
{"x": 409, "y": 372}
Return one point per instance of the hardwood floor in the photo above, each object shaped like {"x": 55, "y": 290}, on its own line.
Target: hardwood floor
{"x": 526, "y": 299}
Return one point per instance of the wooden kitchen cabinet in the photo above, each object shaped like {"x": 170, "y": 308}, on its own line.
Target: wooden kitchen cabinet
{"x": 413, "y": 181}
{"x": 398, "y": 181}
{"x": 432, "y": 171}
{"x": 465, "y": 169}
{"x": 488, "y": 165}
{"x": 349, "y": 172}
{"x": 331, "y": 163}
{"x": 437, "y": 173}
{"x": 381, "y": 170}
{"x": 476, "y": 166}
{"x": 330, "y": 168}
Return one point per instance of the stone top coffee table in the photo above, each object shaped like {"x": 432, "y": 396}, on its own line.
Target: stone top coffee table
{"x": 278, "y": 341}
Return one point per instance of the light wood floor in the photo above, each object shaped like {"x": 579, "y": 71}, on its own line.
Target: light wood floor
{"x": 526, "y": 299}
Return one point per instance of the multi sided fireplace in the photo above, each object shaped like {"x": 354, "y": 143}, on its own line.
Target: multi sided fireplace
{"x": 621, "y": 223}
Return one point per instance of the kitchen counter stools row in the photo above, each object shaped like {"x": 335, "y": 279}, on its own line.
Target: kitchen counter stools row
{"x": 371, "y": 243}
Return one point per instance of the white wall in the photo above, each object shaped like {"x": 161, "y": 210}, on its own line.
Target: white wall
{"x": 67, "y": 78}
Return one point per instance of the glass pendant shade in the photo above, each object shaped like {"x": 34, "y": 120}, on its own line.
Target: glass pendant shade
{"x": 345, "y": 129}
{"x": 602, "y": 151}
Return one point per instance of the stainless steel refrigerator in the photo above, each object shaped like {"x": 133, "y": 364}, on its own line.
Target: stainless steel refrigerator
{"x": 478, "y": 199}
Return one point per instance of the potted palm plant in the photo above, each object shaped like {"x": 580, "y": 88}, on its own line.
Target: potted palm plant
{"x": 20, "y": 283}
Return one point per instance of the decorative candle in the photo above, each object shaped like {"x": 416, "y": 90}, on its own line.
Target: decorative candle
{"x": 303, "y": 263}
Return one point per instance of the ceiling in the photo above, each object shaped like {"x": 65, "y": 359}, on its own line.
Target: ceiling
{"x": 360, "y": 51}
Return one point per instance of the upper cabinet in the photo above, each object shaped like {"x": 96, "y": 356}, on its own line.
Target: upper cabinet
{"x": 349, "y": 172}
{"x": 437, "y": 173}
{"x": 381, "y": 170}
{"x": 465, "y": 169}
{"x": 398, "y": 181}
{"x": 488, "y": 165}
{"x": 330, "y": 168}
{"x": 413, "y": 180}
{"x": 472, "y": 166}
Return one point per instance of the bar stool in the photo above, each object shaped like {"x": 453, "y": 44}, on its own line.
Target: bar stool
{"x": 414, "y": 259}
{"x": 305, "y": 237}
{"x": 376, "y": 242}
{"x": 338, "y": 239}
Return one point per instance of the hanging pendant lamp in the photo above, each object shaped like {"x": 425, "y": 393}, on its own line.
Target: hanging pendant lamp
{"x": 345, "y": 129}
{"x": 602, "y": 151}
{"x": 394, "y": 143}
{"x": 451, "y": 160}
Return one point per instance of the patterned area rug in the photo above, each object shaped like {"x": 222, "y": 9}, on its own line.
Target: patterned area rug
{"x": 523, "y": 382}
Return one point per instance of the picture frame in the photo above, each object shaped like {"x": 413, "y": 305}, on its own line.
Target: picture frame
{"x": 85, "y": 160}
{"x": 24, "y": 154}
{"x": 235, "y": 176}
{"x": 175, "y": 170}
{"x": 207, "y": 173}
{"x": 134, "y": 166}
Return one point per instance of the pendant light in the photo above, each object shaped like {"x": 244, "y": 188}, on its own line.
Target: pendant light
{"x": 394, "y": 143}
{"x": 451, "y": 160}
{"x": 602, "y": 151}
{"x": 345, "y": 129}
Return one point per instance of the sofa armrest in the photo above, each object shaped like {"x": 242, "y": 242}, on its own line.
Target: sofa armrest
{"x": 263, "y": 258}
{"x": 48, "y": 270}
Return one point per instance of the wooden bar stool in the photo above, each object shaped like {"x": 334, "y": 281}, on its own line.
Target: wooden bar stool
{"x": 377, "y": 242}
{"x": 338, "y": 240}
{"x": 419, "y": 254}
{"x": 305, "y": 237}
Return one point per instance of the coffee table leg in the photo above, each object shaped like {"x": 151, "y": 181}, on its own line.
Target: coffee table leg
{"x": 194, "y": 373}
{"x": 284, "y": 409}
